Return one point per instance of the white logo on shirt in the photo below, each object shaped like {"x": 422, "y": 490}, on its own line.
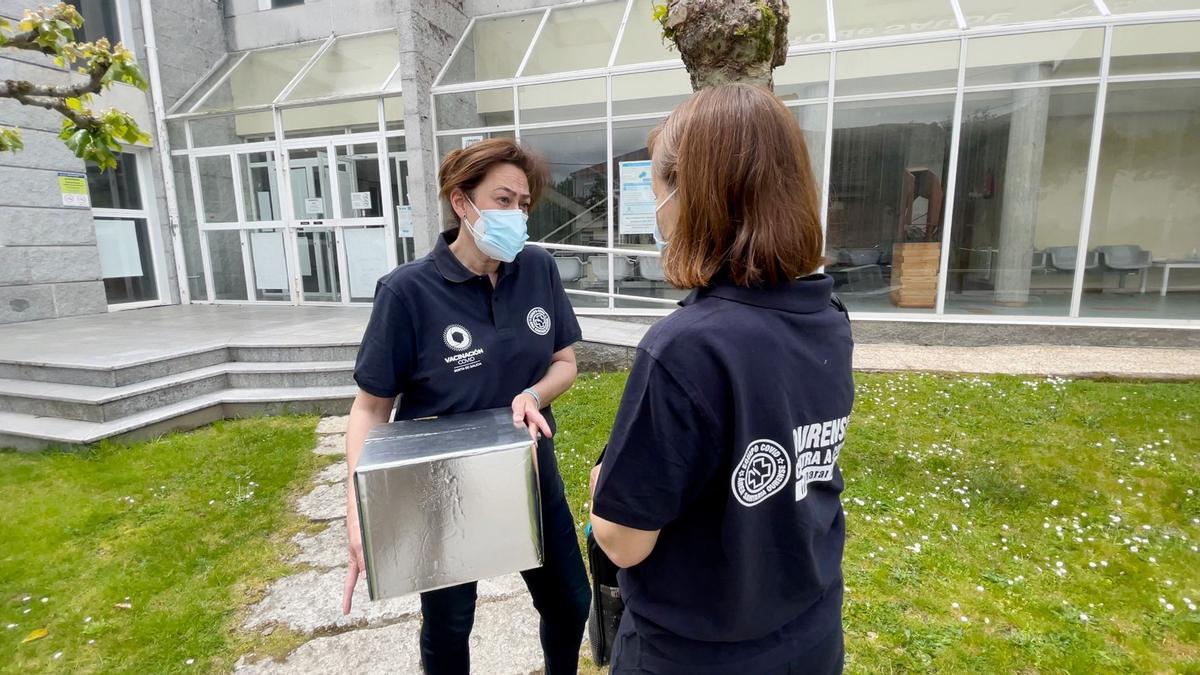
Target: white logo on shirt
{"x": 763, "y": 472}
{"x": 457, "y": 338}
{"x": 817, "y": 448}
{"x": 539, "y": 321}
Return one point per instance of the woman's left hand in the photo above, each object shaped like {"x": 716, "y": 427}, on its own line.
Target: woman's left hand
{"x": 525, "y": 411}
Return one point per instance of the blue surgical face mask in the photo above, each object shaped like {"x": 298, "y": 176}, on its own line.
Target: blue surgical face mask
{"x": 504, "y": 232}
{"x": 659, "y": 241}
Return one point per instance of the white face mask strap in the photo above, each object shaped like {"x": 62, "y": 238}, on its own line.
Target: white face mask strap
{"x": 664, "y": 202}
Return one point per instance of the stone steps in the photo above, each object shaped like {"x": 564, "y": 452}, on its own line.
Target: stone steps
{"x": 90, "y": 403}
{"x": 23, "y": 431}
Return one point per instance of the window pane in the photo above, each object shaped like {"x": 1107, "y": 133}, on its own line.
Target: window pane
{"x": 475, "y": 109}
{"x": 1034, "y": 56}
{"x": 493, "y": 48}
{"x": 572, "y": 209}
{"x": 809, "y": 23}
{"x": 260, "y": 189}
{"x": 116, "y": 188}
{"x": 868, "y": 18}
{"x": 227, "y": 65}
{"x": 1144, "y": 217}
{"x": 99, "y": 20}
{"x": 643, "y": 276}
{"x": 260, "y": 77}
{"x": 317, "y": 250}
{"x": 228, "y": 267}
{"x": 910, "y": 67}
{"x": 308, "y": 177}
{"x": 812, "y": 123}
{"x": 629, "y": 145}
{"x": 803, "y": 77}
{"x": 189, "y": 231}
{"x": 270, "y": 265}
{"x": 573, "y": 100}
{"x": 232, "y": 130}
{"x": 1130, "y": 6}
{"x": 1156, "y": 48}
{"x": 887, "y": 191}
{"x": 126, "y": 260}
{"x": 642, "y": 41}
{"x": 334, "y": 118}
{"x": 176, "y": 135}
{"x": 393, "y": 113}
{"x": 401, "y": 200}
{"x": 216, "y": 189}
{"x": 1022, "y": 166}
{"x": 655, "y": 92}
{"x": 353, "y": 65}
{"x": 576, "y": 38}
{"x": 360, "y": 185}
{"x": 996, "y": 12}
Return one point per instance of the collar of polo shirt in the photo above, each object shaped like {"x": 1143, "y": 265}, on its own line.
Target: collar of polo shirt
{"x": 451, "y": 268}
{"x": 800, "y": 296}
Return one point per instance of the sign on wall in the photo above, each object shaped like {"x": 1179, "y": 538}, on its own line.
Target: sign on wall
{"x": 360, "y": 200}
{"x": 74, "y": 190}
{"x": 636, "y": 198}
{"x": 404, "y": 221}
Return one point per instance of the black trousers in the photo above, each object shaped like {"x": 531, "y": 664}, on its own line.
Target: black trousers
{"x": 635, "y": 654}
{"x": 559, "y": 587}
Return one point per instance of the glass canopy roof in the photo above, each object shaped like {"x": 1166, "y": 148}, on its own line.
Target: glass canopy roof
{"x": 334, "y": 68}
{"x": 597, "y": 34}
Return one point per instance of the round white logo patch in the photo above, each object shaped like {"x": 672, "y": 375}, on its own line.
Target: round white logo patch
{"x": 763, "y": 471}
{"x": 457, "y": 338}
{"x": 539, "y": 321}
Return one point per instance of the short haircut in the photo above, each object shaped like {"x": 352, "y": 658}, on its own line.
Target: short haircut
{"x": 747, "y": 199}
{"x": 465, "y": 169}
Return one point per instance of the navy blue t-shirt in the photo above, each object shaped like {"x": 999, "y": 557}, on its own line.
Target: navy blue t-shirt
{"x": 445, "y": 341}
{"x": 727, "y": 441}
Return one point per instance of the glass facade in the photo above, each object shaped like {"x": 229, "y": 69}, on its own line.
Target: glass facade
{"x": 978, "y": 159}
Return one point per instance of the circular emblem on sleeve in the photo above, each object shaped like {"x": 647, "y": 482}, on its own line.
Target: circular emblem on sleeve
{"x": 539, "y": 321}
{"x": 457, "y": 338}
{"x": 763, "y": 471}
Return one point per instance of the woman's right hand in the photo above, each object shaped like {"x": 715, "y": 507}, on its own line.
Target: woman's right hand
{"x": 355, "y": 567}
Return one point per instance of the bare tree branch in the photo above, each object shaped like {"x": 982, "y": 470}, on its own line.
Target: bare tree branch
{"x": 15, "y": 88}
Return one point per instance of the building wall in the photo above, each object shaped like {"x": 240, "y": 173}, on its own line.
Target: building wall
{"x": 49, "y": 264}
{"x": 248, "y": 27}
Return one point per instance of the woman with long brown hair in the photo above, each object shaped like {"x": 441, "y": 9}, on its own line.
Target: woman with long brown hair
{"x": 719, "y": 491}
{"x": 481, "y": 322}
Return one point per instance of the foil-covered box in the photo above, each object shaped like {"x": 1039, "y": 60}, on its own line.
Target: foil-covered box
{"x": 447, "y": 500}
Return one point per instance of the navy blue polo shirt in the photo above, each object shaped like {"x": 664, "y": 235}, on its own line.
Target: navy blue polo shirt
{"x": 445, "y": 341}
{"x": 727, "y": 440}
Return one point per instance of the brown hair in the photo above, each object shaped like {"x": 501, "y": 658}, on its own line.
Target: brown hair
{"x": 747, "y": 198}
{"x": 465, "y": 169}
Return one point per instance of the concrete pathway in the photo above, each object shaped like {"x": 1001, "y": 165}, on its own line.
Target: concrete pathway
{"x": 376, "y": 637}
{"x": 610, "y": 343}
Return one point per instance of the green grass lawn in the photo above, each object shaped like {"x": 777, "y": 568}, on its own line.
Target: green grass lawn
{"x": 1001, "y": 524}
{"x": 182, "y": 531}
{"x": 996, "y": 524}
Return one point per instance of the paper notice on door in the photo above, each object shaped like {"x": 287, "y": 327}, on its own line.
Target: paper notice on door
{"x": 314, "y": 206}
{"x": 468, "y": 141}
{"x": 404, "y": 221}
{"x": 366, "y": 255}
{"x": 120, "y": 255}
{"x": 270, "y": 264}
{"x": 360, "y": 200}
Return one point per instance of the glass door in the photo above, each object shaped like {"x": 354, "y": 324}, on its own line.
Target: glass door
{"x": 317, "y": 259}
{"x": 319, "y": 267}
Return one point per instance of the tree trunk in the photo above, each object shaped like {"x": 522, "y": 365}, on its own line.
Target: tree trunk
{"x": 725, "y": 41}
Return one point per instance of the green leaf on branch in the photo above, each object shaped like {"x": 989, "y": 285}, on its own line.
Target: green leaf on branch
{"x": 10, "y": 140}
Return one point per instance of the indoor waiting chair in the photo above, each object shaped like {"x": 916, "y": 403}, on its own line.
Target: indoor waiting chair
{"x": 1062, "y": 258}
{"x": 569, "y": 269}
{"x": 1126, "y": 260}
{"x": 622, "y": 268}
{"x": 651, "y": 268}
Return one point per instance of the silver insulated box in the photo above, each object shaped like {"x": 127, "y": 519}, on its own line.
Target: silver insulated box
{"x": 447, "y": 500}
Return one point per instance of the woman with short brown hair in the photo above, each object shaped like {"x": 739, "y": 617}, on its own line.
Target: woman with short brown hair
{"x": 481, "y": 322}
{"x": 719, "y": 491}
